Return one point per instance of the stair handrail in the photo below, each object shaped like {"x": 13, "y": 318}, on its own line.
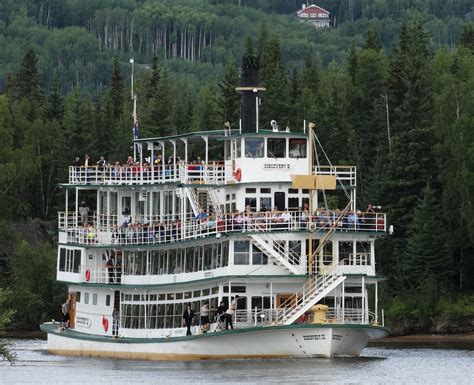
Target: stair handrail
{"x": 314, "y": 283}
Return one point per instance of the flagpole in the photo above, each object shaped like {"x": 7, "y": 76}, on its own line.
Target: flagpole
{"x": 134, "y": 114}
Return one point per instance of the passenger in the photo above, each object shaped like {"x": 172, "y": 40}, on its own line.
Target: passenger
{"x": 102, "y": 162}
{"x": 188, "y": 319}
{"x": 230, "y": 313}
{"x": 65, "y": 315}
{"x": 110, "y": 268}
{"x": 205, "y": 317}
{"x": 84, "y": 212}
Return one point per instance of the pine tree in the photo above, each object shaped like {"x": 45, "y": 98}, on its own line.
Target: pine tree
{"x": 249, "y": 51}
{"x": 263, "y": 39}
{"x": 159, "y": 109}
{"x": 426, "y": 258}
{"x": 310, "y": 76}
{"x": 229, "y": 99}
{"x": 154, "y": 78}
{"x": 116, "y": 90}
{"x": 55, "y": 108}
{"x": 27, "y": 80}
{"x": 372, "y": 40}
{"x": 275, "y": 104}
{"x": 206, "y": 111}
{"x": 351, "y": 63}
{"x": 466, "y": 39}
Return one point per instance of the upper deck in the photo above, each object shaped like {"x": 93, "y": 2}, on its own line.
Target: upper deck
{"x": 221, "y": 158}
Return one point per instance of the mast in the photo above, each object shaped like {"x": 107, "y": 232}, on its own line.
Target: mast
{"x": 310, "y": 161}
{"x": 133, "y": 96}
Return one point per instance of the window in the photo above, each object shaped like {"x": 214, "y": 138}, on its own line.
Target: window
{"x": 294, "y": 248}
{"x": 86, "y": 298}
{"x": 276, "y": 147}
{"x": 254, "y": 147}
{"x": 69, "y": 260}
{"x": 250, "y": 190}
{"x": 235, "y": 289}
{"x": 297, "y": 148}
{"x": 78, "y": 297}
{"x": 266, "y": 190}
{"x": 265, "y": 204}
{"x": 293, "y": 203}
{"x": 107, "y": 300}
{"x": 94, "y": 299}
{"x": 293, "y": 191}
{"x": 241, "y": 252}
{"x": 252, "y": 203}
{"x": 258, "y": 258}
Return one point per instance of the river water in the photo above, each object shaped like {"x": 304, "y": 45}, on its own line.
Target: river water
{"x": 377, "y": 365}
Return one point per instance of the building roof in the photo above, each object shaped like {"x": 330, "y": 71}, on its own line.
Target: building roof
{"x": 312, "y": 9}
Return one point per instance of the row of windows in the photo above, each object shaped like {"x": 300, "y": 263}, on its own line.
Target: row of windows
{"x": 275, "y": 148}
{"x": 69, "y": 260}
{"x": 170, "y": 296}
{"x": 94, "y": 298}
{"x": 175, "y": 261}
{"x": 160, "y": 316}
{"x": 246, "y": 253}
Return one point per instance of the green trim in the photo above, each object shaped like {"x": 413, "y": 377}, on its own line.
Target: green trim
{"x": 223, "y": 278}
{"x": 268, "y": 133}
{"x": 196, "y": 134}
{"x": 52, "y": 329}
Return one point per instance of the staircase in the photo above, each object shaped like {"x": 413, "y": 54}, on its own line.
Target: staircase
{"x": 278, "y": 253}
{"x": 314, "y": 289}
{"x": 193, "y": 200}
{"x": 211, "y": 193}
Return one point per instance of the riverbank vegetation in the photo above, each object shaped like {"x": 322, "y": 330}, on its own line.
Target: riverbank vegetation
{"x": 391, "y": 89}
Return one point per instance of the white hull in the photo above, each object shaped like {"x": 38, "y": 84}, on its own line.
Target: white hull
{"x": 277, "y": 341}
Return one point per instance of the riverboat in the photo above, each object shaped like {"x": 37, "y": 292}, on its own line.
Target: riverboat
{"x": 235, "y": 221}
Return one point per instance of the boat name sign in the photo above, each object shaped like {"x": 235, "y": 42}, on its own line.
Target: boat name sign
{"x": 277, "y": 166}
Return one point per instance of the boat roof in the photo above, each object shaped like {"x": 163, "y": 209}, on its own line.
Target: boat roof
{"x": 220, "y": 134}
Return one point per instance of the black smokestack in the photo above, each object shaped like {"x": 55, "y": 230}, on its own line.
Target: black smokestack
{"x": 250, "y": 88}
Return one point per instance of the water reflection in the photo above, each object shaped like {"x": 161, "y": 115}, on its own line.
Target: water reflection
{"x": 377, "y": 366}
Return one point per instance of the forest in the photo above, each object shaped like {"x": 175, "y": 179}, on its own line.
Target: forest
{"x": 390, "y": 87}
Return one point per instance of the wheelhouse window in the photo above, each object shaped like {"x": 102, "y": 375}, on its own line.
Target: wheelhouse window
{"x": 297, "y": 148}
{"x": 254, "y": 147}
{"x": 276, "y": 147}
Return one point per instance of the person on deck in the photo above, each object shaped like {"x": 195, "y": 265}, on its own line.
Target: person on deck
{"x": 110, "y": 268}
{"x": 188, "y": 319}
{"x": 205, "y": 317}
{"x": 83, "y": 212}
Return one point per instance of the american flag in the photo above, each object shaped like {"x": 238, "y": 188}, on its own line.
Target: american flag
{"x": 136, "y": 125}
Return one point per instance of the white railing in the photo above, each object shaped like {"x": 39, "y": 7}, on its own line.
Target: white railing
{"x": 346, "y": 175}
{"x": 267, "y": 317}
{"x": 174, "y": 230}
{"x": 148, "y": 174}
{"x": 311, "y": 289}
{"x": 111, "y": 275}
{"x": 357, "y": 259}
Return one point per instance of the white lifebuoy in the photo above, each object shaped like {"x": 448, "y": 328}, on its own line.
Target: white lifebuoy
{"x": 312, "y": 227}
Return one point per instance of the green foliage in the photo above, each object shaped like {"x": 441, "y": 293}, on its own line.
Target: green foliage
{"x": 6, "y": 315}
{"x": 229, "y": 99}
{"x": 35, "y": 292}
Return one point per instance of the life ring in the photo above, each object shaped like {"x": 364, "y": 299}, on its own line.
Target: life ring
{"x": 105, "y": 323}
{"x": 238, "y": 175}
{"x": 88, "y": 275}
{"x": 312, "y": 227}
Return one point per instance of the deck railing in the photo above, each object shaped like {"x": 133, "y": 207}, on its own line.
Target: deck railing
{"x": 344, "y": 174}
{"x": 148, "y": 174}
{"x": 156, "y": 233}
{"x": 267, "y": 317}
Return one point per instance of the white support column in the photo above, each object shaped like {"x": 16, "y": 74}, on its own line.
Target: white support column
{"x": 363, "y": 299}
{"x": 206, "y": 141}
{"x": 76, "y": 208}
{"x": 174, "y": 158}
{"x": 66, "y": 221}
{"x": 343, "y": 302}
{"x": 152, "y": 162}
{"x": 272, "y": 303}
{"x": 163, "y": 160}
{"x": 228, "y": 295}
{"x": 141, "y": 161}
{"x": 98, "y": 210}
{"x": 162, "y": 205}
{"x": 108, "y": 209}
{"x": 372, "y": 254}
{"x": 354, "y": 252}
{"x": 376, "y": 302}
